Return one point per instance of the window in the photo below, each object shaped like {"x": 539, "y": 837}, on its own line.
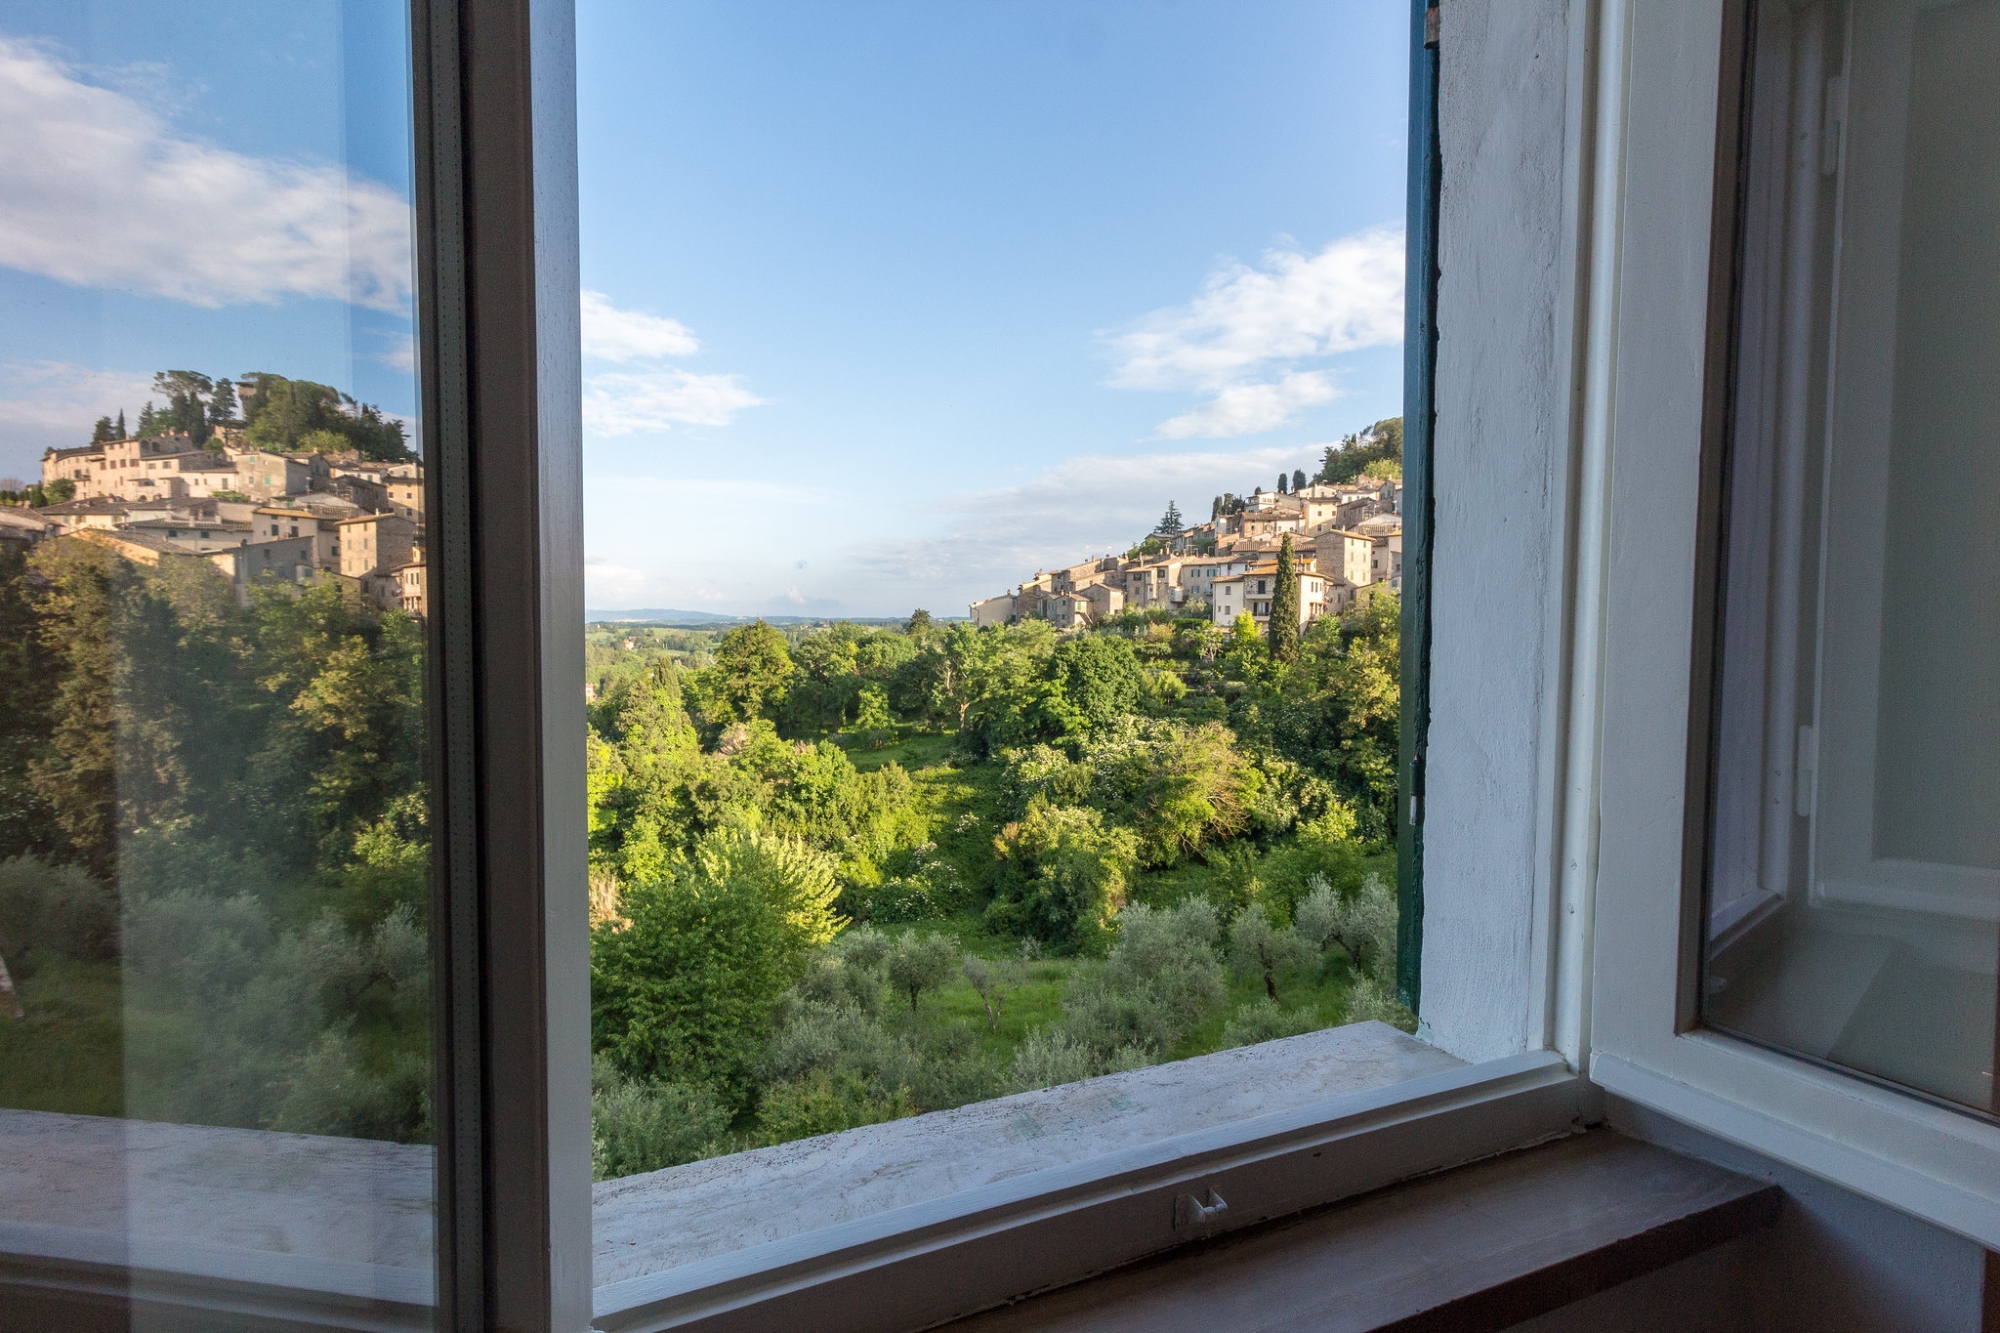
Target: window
{"x": 1799, "y": 956}
{"x": 496, "y": 825}
{"x": 215, "y": 835}
{"x": 1854, "y": 911}
{"x": 977, "y": 882}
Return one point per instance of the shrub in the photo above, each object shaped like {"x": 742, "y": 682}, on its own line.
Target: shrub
{"x": 49, "y": 911}
{"x": 1181, "y": 788}
{"x": 1066, "y": 876}
{"x": 637, "y": 1127}
{"x": 1372, "y": 999}
{"x": 684, "y": 993}
{"x": 827, "y": 1101}
{"x": 1162, "y": 980}
{"x": 1262, "y": 1020}
{"x": 1049, "y": 1058}
{"x": 1042, "y": 771}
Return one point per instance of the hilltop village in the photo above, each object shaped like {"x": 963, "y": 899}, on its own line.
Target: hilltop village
{"x": 1347, "y": 543}
{"x": 206, "y": 486}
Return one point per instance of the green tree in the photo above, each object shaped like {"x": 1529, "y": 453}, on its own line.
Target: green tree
{"x": 921, "y": 962}
{"x": 1285, "y": 606}
{"x": 81, "y": 590}
{"x": 222, "y": 403}
{"x": 283, "y": 412}
{"x": 1284, "y": 483}
{"x": 102, "y": 431}
{"x": 1298, "y": 480}
{"x": 60, "y": 491}
{"x": 1100, "y": 676}
{"x": 121, "y": 425}
{"x": 751, "y": 672}
{"x": 186, "y": 394}
{"x": 919, "y": 623}
{"x": 683, "y": 988}
{"x": 1347, "y": 460}
{"x": 1264, "y": 951}
{"x": 1170, "y": 522}
{"x": 1066, "y": 874}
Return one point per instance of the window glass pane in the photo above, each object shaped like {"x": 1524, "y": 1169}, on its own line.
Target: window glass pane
{"x": 214, "y": 854}
{"x": 1854, "y": 910}
{"x": 942, "y": 746}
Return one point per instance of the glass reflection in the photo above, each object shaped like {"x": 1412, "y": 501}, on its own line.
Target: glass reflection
{"x": 214, "y": 852}
{"x": 1854, "y": 905}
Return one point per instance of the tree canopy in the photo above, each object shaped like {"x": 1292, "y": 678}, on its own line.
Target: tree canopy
{"x": 1352, "y": 457}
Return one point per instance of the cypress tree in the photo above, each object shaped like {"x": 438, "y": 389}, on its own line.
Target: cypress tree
{"x": 1298, "y": 480}
{"x": 121, "y": 425}
{"x": 1283, "y": 481}
{"x": 1285, "y": 606}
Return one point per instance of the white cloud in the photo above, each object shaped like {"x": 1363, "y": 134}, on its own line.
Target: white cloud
{"x": 1251, "y": 409}
{"x": 611, "y": 334}
{"x": 1090, "y": 505}
{"x": 630, "y": 402}
{"x": 401, "y": 353}
{"x": 650, "y": 399}
{"x": 50, "y": 404}
{"x": 99, "y": 190}
{"x": 606, "y": 580}
{"x": 1250, "y": 323}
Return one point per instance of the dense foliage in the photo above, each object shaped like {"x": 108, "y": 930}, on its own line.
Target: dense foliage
{"x": 213, "y": 853}
{"x": 843, "y": 873}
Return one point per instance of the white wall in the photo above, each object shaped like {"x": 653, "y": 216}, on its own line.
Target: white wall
{"x": 1500, "y": 462}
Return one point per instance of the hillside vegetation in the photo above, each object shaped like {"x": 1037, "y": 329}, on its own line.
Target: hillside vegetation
{"x": 848, "y": 873}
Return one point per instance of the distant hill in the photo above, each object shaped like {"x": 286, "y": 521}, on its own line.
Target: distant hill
{"x": 653, "y": 616}
{"x": 709, "y": 619}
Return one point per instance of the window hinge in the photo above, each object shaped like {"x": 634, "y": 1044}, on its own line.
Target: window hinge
{"x": 1190, "y": 1212}
{"x": 1433, "y": 22}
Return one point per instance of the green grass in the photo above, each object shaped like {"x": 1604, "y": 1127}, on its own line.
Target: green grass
{"x": 68, "y": 1053}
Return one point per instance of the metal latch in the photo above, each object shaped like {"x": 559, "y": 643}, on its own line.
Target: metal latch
{"x": 1190, "y": 1212}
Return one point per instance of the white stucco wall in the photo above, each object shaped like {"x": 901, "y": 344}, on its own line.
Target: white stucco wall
{"x": 1501, "y": 445}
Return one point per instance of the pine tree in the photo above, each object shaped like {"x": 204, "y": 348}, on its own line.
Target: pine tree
{"x": 222, "y": 404}
{"x": 1170, "y": 522}
{"x": 146, "y": 415}
{"x": 1285, "y": 606}
{"x": 102, "y": 431}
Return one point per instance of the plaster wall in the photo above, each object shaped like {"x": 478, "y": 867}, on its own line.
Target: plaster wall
{"x": 1501, "y": 450}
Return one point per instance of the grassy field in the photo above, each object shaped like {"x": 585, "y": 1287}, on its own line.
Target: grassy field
{"x": 68, "y": 1053}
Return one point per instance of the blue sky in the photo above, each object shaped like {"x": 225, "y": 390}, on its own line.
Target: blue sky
{"x": 222, "y": 195}
{"x": 965, "y": 290}
{"x": 891, "y": 303}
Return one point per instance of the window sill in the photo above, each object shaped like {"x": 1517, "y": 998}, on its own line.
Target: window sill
{"x": 724, "y": 1206}
{"x": 1032, "y": 1226}
{"x": 1486, "y": 1246}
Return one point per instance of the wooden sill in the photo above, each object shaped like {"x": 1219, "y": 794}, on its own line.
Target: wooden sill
{"x": 1481, "y": 1247}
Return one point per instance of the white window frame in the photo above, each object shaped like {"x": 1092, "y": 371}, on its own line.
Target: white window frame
{"x": 1648, "y": 352}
